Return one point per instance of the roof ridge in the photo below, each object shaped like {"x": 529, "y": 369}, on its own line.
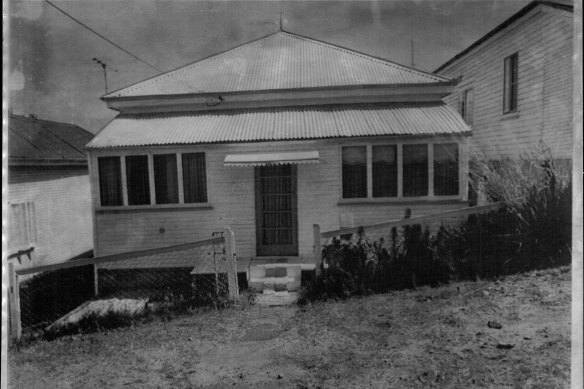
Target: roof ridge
{"x": 48, "y": 121}
{"x": 184, "y": 67}
{"x": 214, "y": 56}
{"x": 284, "y": 39}
{"x": 366, "y": 56}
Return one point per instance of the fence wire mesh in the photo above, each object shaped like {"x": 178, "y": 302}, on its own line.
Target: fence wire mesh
{"x": 193, "y": 274}
{"x": 433, "y": 249}
{"x": 47, "y": 296}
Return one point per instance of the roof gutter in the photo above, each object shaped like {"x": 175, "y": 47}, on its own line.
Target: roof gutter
{"x": 402, "y": 93}
{"x": 46, "y": 162}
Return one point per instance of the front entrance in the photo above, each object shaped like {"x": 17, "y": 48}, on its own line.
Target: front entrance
{"x": 276, "y": 210}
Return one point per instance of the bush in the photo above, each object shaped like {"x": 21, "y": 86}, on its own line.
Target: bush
{"x": 532, "y": 230}
{"x": 362, "y": 267}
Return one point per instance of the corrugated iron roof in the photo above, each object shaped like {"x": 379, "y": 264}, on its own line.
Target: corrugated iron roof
{"x": 275, "y": 124}
{"x": 278, "y": 61}
{"x": 44, "y": 141}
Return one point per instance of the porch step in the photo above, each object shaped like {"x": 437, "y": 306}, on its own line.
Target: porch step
{"x": 278, "y": 278}
{"x": 276, "y": 298}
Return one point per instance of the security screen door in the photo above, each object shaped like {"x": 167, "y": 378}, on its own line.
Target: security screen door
{"x": 276, "y": 210}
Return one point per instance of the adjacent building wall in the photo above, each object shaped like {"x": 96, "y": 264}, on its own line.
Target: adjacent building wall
{"x": 62, "y": 211}
{"x": 231, "y": 195}
{"x": 544, "y": 40}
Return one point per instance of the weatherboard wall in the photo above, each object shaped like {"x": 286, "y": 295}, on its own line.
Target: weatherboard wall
{"x": 231, "y": 200}
{"x": 62, "y": 204}
{"x": 543, "y": 39}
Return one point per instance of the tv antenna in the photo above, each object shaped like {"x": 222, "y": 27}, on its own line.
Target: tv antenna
{"x": 104, "y": 66}
{"x": 413, "y": 65}
{"x": 281, "y": 1}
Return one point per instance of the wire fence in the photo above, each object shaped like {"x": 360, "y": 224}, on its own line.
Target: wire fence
{"x": 469, "y": 243}
{"x": 193, "y": 274}
{"x": 477, "y": 242}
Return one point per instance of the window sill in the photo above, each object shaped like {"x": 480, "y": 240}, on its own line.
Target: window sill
{"x": 154, "y": 208}
{"x": 402, "y": 200}
{"x": 510, "y": 115}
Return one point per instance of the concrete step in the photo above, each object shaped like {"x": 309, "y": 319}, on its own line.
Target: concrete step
{"x": 291, "y": 285}
{"x": 276, "y": 278}
{"x": 277, "y": 271}
{"x": 276, "y": 298}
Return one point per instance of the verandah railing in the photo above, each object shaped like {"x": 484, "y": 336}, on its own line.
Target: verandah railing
{"x": 197, "y": 270}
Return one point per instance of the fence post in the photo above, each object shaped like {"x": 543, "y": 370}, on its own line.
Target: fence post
{"x": 95, "y": 280}
{"x": 14, "y": 303}
{"x": 231, "y": 264}
{"x": 317, "y": 248}
{"x": 479, "y": 274}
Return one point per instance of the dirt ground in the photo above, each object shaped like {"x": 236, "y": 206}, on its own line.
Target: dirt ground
{"x": 412, "y": 339}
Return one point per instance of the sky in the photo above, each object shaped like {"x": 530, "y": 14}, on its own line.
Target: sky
{"x": 52, "y": 73}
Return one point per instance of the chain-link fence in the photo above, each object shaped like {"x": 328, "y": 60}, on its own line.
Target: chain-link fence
{"x": 47, "y": 296}
{"x": 192, "y": 274}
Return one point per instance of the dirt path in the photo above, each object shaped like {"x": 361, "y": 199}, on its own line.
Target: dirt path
{"x": 412, "y": 339}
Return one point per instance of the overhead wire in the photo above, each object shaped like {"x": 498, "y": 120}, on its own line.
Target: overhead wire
{"x": 103, "y": 37}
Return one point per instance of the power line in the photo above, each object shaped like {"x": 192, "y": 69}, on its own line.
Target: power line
{"x": 102, "y": 37}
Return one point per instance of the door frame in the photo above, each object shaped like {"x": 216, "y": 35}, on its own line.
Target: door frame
{"x": 260, "y": 248}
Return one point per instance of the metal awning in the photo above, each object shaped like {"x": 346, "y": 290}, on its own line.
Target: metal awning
{"x": 263, "y": 159}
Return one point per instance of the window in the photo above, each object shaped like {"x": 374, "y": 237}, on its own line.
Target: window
{"x": 511, "y": 83}
{"x": 384, "y": 171}
{"x": 165, "y": 179}
{"x": 153, "y": 179}
{"x": 194, "y": 178}
{"x": 22, "y": 232}
{"x": 445, "y": 169}
{"x": 137, "y": 180}
{"x": 415, "y": 170}
{"x": 354, "y": 172}
{"x": 467, "y": 105}
{"x": 110, "y": 181}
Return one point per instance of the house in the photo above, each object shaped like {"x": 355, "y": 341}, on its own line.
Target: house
{"x": 49, "y": 199}
{"x": 270, "y": 138}
{"x": 515, "y": 84}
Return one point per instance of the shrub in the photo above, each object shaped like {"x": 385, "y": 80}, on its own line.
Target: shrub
{"x": 531, "y": 230}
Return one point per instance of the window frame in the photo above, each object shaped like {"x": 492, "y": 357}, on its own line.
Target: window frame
{"x": 400, "y": 198}
{"x": 30, "y": 227}
{"x": 466, "y": 110}
{"x": 154, "y": 171}
{"x": 150, "y": 155}
{"x": 511, "y": 86}
{"x": 120, "y": 180}
{"x": 368, "y": 181}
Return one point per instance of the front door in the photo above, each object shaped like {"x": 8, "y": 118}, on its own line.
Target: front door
{"x": 276, "y": 210}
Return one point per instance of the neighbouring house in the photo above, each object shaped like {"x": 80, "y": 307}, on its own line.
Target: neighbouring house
{"x": 270, "y": 138}
{"x": 49, "y": 198}
{"x": 515, "y": 84}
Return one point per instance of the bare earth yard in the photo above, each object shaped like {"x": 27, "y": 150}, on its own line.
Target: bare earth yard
{"x": 411, "y": 339}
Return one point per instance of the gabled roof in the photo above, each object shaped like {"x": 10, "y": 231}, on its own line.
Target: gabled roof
{"x": 41, "y": 142}
{"x": 278, "y": 61}
{"x": 280, "y": 124}
{"x": 565, "y": 6}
